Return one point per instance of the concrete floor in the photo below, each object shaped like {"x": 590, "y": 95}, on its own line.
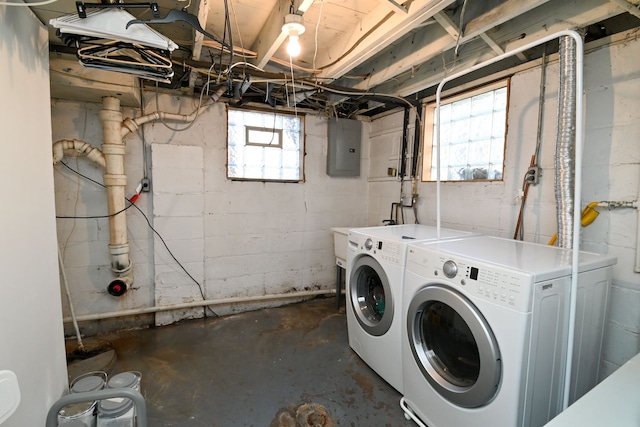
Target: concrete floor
{"x": 284, "y": 367}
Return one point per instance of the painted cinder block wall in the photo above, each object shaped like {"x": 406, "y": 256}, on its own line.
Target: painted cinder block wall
{"x": 611, "y": 172}
{"x": 235, "y": 238}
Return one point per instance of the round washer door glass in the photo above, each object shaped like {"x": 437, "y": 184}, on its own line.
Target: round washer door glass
{"x": 454, "y": 347}
{"x": 370, "y": 296}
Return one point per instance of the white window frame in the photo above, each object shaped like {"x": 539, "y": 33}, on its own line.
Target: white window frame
{"x": 281, "y": 149}
{"x": 428, "y": 161}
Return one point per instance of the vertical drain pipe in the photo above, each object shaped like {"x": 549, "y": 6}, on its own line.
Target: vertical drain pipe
{"x": 115, "y": 180}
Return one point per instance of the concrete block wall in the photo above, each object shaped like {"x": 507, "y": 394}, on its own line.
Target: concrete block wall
{"x": 235, "y": 238}
{"x": 611, "y": 172}
{"x": 84, "y": 242}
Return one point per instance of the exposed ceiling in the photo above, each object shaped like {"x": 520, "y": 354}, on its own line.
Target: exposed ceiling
{"x": 352, "y": 49}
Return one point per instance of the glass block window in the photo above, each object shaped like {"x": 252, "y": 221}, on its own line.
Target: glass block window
{"x": 472, "y": 136}
{"x": 264, "y": 146}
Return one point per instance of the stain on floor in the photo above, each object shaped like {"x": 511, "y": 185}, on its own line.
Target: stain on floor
{"x": 279, "y": 367}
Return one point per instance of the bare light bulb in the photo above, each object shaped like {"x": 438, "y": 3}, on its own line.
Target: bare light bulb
{"x": 293, "y": 27}
{"x": 293, "y": 48}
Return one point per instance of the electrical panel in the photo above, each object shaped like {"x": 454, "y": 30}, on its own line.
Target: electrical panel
{"x": 343, "y": 154}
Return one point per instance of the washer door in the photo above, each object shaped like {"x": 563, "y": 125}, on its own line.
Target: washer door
{"x": 370, "y": 296}
{"x": 454, "y": 347}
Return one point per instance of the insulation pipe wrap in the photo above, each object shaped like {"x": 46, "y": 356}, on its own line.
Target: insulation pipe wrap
{"x": 565, "y": 143}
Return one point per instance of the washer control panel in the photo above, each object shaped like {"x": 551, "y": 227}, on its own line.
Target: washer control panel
{"x": 383, "y": 250}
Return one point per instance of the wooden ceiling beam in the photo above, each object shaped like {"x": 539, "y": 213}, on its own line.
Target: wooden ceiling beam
{"x": 395, "y": 6}
{"x": 428, "y": 44}
{"x": 556, "y": 16}
{"x": 198, "y": 38}
{"x": 376, "y": 31}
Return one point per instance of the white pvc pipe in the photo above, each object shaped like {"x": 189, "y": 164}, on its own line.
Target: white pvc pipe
{"x": 115, "y": 180}
{"x": 195, "y": 304}
{"x": 92, "y": 153}
{"x": 578, "y": 174}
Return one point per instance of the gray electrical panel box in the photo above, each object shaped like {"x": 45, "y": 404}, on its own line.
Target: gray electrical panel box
{"x": 343, "y": 155}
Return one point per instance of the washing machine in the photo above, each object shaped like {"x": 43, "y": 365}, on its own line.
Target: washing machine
{"x": 375, "y": 272}
{"x": 485, "y": 331}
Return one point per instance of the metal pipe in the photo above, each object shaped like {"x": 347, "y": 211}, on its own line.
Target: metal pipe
{"x": 203, "y": 303}
{"x": 577, "y": 171}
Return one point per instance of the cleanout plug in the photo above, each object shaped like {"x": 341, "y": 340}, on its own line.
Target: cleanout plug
{"x": 119, "y": 286}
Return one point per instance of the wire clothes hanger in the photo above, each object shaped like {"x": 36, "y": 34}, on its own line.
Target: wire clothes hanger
{"x": 175, "y": 15}
{"x": 127, "y": 58}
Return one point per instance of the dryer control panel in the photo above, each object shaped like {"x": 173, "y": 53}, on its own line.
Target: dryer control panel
{"x": 509, "y": 288}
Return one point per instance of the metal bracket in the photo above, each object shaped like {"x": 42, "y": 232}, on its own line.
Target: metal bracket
{"x": 82, "y": 7}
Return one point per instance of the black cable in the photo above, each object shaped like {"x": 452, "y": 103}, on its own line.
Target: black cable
{"x": 150, "y": 226}
{"x": 90, "y": 217}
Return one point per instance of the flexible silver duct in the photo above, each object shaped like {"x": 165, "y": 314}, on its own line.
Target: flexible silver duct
{"x": 565, "y": 143}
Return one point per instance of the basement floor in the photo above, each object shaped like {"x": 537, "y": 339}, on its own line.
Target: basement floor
{"x": 283, "y": 367}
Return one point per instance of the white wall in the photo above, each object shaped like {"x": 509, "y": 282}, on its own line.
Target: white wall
{"x": 32, "y": 343}
{"x": 234, "y": 238}
{"x": 611, "y": 172}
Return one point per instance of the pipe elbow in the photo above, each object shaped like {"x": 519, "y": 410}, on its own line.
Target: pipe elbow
{"x": 58, "y": 152}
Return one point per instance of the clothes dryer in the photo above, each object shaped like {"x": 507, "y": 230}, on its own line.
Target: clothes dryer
{"x": 375, "y": 273}
{"x": 485, "y": 331}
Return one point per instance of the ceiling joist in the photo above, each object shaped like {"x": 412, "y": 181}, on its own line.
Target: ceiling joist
{"x": 379, "y": 29}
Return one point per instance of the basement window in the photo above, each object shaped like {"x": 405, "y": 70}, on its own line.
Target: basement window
{"x": 264, "y": 146}
{"x": 472, "y": 135}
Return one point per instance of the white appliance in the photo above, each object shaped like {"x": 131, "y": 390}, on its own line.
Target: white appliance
{"x": 375, "y": 272}
{"x": 484, "y": 340}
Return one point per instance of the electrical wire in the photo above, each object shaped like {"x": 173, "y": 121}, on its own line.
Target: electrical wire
{"x": 460, "y": 30}
{"x": 235, "y": 19}
{"x": 88, "y": 217}
{"x": 293, "y": 86}
{"x": 197, "y": 109}
{"x": 150, "y": 226}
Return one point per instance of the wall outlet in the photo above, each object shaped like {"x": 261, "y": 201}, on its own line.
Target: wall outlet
{"x": 533, "y": 175}
{"x": 146, "y": 185}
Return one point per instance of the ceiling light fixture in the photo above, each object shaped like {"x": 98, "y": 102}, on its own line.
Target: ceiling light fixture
{"x": 293, "y": 27}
